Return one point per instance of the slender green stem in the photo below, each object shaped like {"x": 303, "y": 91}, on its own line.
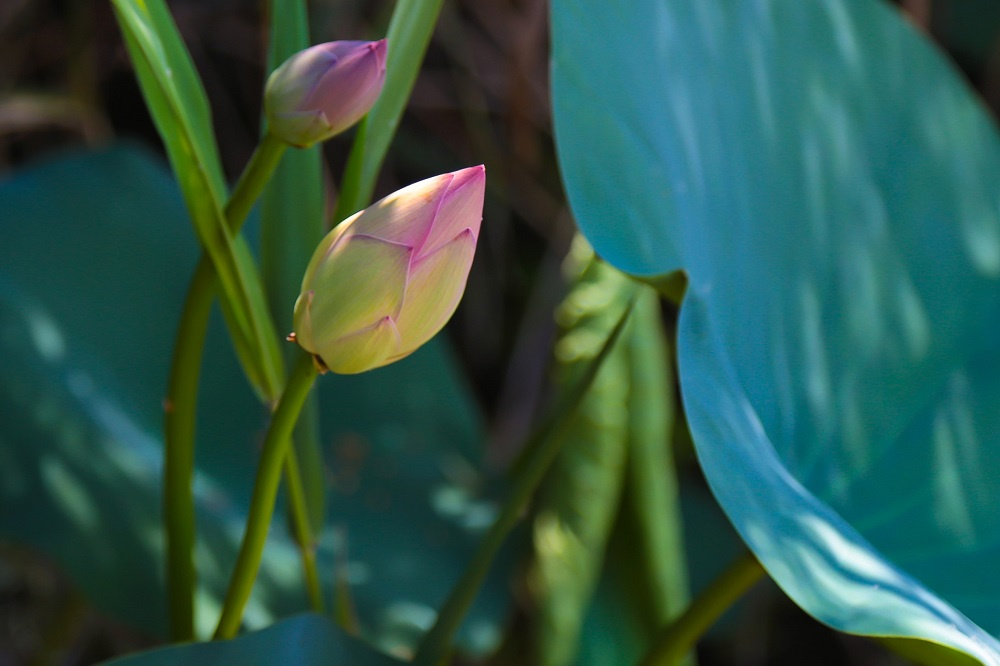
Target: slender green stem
{"x": 273, "y": 455}
{"x": 543, "y": 448}
{"x": 255, "y": 176}
{"x": 178, "y": 462}
{"x": 182, "y": 399}
{"x": 680, "y": 636}
{"x": 302, "y": 528}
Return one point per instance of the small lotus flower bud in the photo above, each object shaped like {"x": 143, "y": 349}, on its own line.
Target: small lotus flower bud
{"x": 387, "y": 279}
{"x": 323, "y": 90}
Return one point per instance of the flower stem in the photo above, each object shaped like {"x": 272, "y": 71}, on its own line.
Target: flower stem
{"x": 255, "y": 176}
{"x": 276, "y": 446}
{"x": 542, "y": 449}
{"x": 302, "y": 528}
{"x": 181, "y": 410}
{"x": 178, "y": 451}
{"x": 680, "y": 636}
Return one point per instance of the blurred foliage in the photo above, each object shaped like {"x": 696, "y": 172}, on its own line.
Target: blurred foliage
{"x": 482, "y": 96}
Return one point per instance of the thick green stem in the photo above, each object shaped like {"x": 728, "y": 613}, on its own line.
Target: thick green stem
{"x": 542, "y": 450}
{"x": 255, "y": 176}
{"x": 681, "y": 635}
{"x": 276, "y": 446}
{"x": 302, "y": 528}
{"x": 263, "y": 163}
{"x": 181, "y": 410}
{"x": 178, "y": 463}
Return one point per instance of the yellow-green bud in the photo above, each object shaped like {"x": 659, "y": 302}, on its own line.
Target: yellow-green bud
{"x": 387, "y": 279}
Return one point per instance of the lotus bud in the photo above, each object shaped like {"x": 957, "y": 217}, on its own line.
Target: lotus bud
{"x": 387, "y": 279}
{"x": 323, "y": 90}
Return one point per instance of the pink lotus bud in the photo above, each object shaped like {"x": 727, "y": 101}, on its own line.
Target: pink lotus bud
{"x": 323, "y": 90}
{"x": 387, "y": 279}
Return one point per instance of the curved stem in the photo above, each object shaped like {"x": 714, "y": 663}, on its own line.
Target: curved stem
{"x": 680, "y": 636}
{"x": 542, "y": 449}
{"x": 298, "y": 509}
{"x": 276, "y": 446}
{"x": 255, "y": 175}
{"x": 178, "y": 451}
{"x": 182, "y": 401}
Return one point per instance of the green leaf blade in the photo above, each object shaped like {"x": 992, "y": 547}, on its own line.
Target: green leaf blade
{"x": 409, "y": 34}
{"x": 180, "y": 111}
{"x": 578, "y": 502}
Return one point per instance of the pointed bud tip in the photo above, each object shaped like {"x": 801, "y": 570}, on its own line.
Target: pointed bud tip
{"x": 475, "y": 176}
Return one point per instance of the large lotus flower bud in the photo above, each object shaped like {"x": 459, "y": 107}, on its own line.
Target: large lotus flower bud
{"x": 387, "y": 279}
{"x": 323, "y": 90}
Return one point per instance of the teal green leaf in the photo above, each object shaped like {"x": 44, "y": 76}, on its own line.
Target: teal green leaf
{"x": 832, "y": 189}
{"x": 86, "y": 327}
{"x": 306, "y": 639}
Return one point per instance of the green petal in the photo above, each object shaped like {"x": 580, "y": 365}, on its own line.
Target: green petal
{"x": 301, "y": 129}
{"x": 359, "y": 283}
{"x": 302, "y": 322}
{"x": 364, "y": 350}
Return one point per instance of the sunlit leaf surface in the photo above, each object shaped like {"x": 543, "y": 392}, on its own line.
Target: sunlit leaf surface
{"x": 833, "y": 191}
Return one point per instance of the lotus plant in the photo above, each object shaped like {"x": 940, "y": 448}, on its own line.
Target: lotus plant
{"x": 387, "y": 279}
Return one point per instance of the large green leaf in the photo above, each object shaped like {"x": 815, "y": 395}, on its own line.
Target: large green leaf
{"x": 307, "y": 639}
{"x": 92, "y": 275}
{"x": 93, "y": 268}
{"x": 833, "y": 191}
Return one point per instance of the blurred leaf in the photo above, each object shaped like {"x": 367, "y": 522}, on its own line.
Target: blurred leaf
{"x": 91, "y": 286}
{"x": 831, "y": 189}
{"x": 178, "y": 105}
{"x": 409, "y": 33}
{"x": 306, "y": 639}
{"x": 86, "y": 336}
{"x": 617, "y": 454}
{"x": 612, "y": 631}
{"x": 652, "y": 502}
{"x": 579, "y": 500}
